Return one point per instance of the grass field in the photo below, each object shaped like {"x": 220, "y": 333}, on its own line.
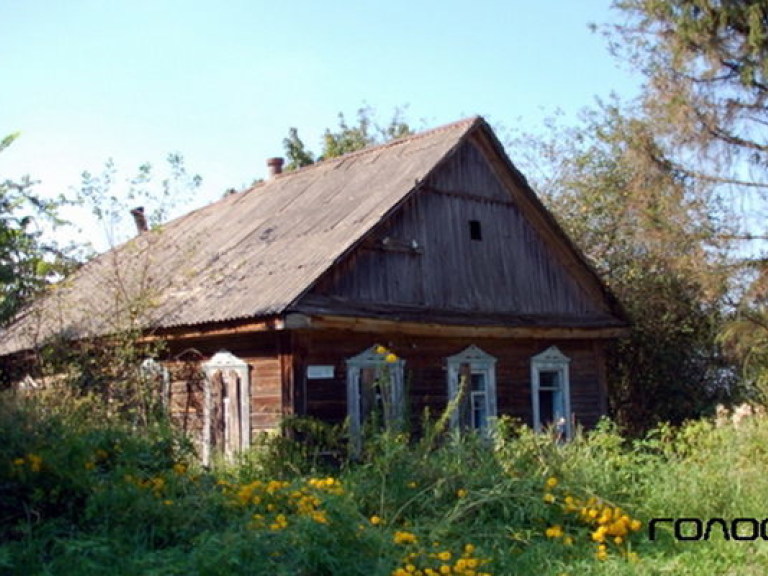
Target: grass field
{"x": 82, "y": 498}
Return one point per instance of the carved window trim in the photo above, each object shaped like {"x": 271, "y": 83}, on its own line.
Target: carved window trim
{"x": 151, "y": 369}
{"x": 552, "y": 361}
{"x": 225, "y": 363}
{"x": 395, "y": 390}
{"x": 476, "y": 362}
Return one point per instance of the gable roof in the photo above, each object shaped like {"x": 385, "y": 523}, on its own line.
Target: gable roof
{"x": 250, "y": 254}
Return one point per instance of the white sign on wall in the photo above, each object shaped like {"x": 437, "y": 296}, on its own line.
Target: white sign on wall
{"x": 319, "y": 372}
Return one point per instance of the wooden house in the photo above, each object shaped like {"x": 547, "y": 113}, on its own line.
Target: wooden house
{"x": 368, "y": 282}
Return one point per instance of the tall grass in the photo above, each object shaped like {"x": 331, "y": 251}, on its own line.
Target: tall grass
{"x": 77, "y": 497}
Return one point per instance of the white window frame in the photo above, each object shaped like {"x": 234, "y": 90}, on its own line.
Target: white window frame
{"x": 227, "y": 362}
{"x": 370, "y": 358}
{"x": 150, "y": 369}
{"x": 552, "y": 360}
{"x": 479, "y": 362}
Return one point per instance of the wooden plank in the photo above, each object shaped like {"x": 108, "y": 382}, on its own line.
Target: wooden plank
{"x": 213, "y": 330}
{"x": 376, "y": 325}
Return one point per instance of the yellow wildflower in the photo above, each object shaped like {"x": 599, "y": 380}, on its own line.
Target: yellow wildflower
{"x": 602, "y": 552}
{"x": 549, "y": 498}
{"x": 554, "y": 532}
{"x": 402, "y": 537}
{"x": 551, "y": 482}
{"x": 35, "y": 462}
{"x": 375, "y": 520}
{"x": 461, "y": 493}
{"x": 319, "y": 517}
{"x": 599, "y": 534}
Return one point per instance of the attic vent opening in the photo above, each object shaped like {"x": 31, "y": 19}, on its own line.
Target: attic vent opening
{"x": 475, "y": 230}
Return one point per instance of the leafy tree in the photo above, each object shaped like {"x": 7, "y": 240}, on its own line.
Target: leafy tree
{"x": 706, "y": 66}
{"x": 657, "y": 245}
{"x": 111, "y": 199}
{"x": 105, "y": 369}
{"x": 27, "y": 259}
{"x": 346, "y": 138}
{"x": 705, "y": 107}
{"x": 296, "y": 152}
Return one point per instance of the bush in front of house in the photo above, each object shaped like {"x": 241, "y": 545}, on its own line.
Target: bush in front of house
{"x": 79, "y": 497}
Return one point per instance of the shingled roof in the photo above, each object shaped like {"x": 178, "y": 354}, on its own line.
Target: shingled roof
{"x": 251, "y": 254}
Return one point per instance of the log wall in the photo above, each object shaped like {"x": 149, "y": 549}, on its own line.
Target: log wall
{"x": 262, "y": 352}
{"x": 425, "y": 373}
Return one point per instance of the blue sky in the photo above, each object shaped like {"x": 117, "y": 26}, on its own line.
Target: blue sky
{"x": 222, "y": 82}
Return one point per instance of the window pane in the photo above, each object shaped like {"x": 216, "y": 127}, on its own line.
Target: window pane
{"x": 479, "y": 410}
{"x": 478, "y": 382}
{"x": 549, "y": 379}
{"x": 546, "y": 407}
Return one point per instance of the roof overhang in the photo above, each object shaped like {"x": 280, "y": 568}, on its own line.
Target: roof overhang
{"x": 362, "y": 324}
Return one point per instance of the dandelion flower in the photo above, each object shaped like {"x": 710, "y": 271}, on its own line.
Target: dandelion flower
{"x": 402, "y": 537}
{"x": 554, "y": 531}
{"x": 551, "y": 482}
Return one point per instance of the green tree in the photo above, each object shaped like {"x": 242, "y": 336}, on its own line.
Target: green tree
{"x": 28, "y": 260}
{"x": 105, "y": 368}
{"x": 657, "y": 245}
{"x": 706, "y": 90}
{"x": 705, "y": 108}
{"x": 296, "y": 152}
{"x": 346, "y": 138}
{"x": 110, "y": 199}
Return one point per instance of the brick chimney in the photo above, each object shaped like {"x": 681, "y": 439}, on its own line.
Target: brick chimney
{"x": 275, "y": 166}
{"x": 140, "y": 219}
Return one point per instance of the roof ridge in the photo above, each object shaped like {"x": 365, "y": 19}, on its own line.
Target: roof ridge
{"x": 232, "y": 196}
{"x": 469, "y": 121}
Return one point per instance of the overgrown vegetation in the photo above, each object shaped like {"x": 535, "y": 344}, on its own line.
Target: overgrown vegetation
{"x": 77, "y": 497}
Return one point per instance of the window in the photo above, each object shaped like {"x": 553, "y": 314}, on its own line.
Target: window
{"x": 375, "y": 392}
{"x": 550, "y": 392}
{"x": 475, "y": 230}
{"x": 157, "y": 377}
{"x": 476, "y": 370}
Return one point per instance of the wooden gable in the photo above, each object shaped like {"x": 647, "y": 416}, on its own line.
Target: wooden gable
{"x": 470, "y": 242}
